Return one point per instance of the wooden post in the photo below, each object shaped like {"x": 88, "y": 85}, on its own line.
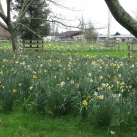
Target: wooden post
{"x": 37, "y": 42}
{"x": 42, "y": 45}
{"x": 23, "y": 43}
{"x": 30, "y": 43}
{"x": 128, "y": 50}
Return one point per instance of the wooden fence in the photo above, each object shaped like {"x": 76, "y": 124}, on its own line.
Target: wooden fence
{"x": 109, "y": 44}
{"x": 130, "y": 46}
{"x": 31, "y": 44}
{"x": 66, "y": 42}
{"x": 3, "y": 41}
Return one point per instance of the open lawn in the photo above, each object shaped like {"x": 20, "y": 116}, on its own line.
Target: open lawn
{"x": 88, "y": 49}
{"x": 68, "y": 91}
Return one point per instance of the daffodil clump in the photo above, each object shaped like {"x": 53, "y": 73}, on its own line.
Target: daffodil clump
{"x": 77, "y": 47}
{"x": 103, "y": 88}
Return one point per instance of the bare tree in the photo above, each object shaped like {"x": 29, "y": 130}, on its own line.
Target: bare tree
{"x": 9, "y": 26}
{"x": 122, "y": 16}
{"x": 82, "y": 24}
{"x": 90, "y": 32}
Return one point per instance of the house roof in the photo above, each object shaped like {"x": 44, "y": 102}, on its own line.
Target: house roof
{"x": 78, "y": 36}
{"x": 124, "y": 36}
{"x": 117, "y": 36}
{"x": 67, "y": 33}
{"x": 104, "y": 36}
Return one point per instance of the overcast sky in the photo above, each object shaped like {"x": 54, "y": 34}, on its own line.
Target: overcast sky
{"x": 95, "y": 11}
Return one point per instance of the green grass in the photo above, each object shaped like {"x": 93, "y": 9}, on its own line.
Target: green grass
{"x": 19, "y": 124}
{"x": 60, "y": 78}
{"x": 78, "y": 49}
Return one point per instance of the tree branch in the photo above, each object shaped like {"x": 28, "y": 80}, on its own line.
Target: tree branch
{"x": 22, "y": 13}
{"x": 2, "y": 14}
{"x": 8, "y": 11}
{"x": 122, "y": 17}
{"x": 61, "y": 5}
{"x": 29, "y": 29}
{"x": 4, "y": 26}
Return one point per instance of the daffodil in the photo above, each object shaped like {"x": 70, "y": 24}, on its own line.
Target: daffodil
{"x": 89, "y": 74}
{"x": 36, "y": 95}
{"x": 106, "y": 84}
{"x": 85, "y": 103}
{"x": 109, "y": 87}
{"x": 31, "y": 88}
{"x": 34, "y": 76}
{"x": 50, "y": 60}
{"x": 20, "y": 84}
{"x": 121, "y": 87}
{"x": 72, "y": 81}
{"x": 1, "y": 86}
{"x": 62, "y": 84}
{"x": 103, "y": 85}
{"x": 122, "y": 83}
{"x": 114, "y": 95}
{"x": 95, "y": 93}
{"x": 91, "y": 80}
{"x": 14, "y": 90}
{"x": 101, "y": 96}
{"x": 101, "y": 77}
{"x": 77, "y": 84}
{"x": 1, "y": 72}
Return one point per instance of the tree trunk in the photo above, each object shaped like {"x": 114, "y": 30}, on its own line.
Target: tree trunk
{"x": 15, "y": 44}
{"x": 122, "y": 16}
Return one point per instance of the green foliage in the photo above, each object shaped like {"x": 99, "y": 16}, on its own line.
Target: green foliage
{"x": 100, "y": 90}
{"x": 117, "y": 33}
{"x": 101, "y": 110}
{"x": 90, "y": 33}
{"x": 33, "y": 20}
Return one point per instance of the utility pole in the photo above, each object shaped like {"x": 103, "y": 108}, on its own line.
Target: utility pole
{"x": 108, "y": 23}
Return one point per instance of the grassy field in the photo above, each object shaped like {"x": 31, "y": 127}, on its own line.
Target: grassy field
{"x": 68, "y": 91}
{"x": 88, "y": 49}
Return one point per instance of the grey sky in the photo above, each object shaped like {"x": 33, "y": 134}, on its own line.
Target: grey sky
{"x": 95, "y": 11}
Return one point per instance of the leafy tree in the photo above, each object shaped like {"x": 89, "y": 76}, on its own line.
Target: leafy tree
{"x": 90, "y": 33}
{"x": 33, "y": 20}
{"x": 122, "y": 16}
{"x": 117, "y": 33}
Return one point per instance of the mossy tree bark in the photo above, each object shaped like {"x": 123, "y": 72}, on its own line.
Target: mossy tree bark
{"x": 122, "y": 17}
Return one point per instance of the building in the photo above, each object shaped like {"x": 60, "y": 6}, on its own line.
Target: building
{"x": 49, "y": 38}
{"x": 68, "y": 35}
{"x": 103, "y": 37}
{"x": 4, "y": 34}
{"x": 124, "y": 37}
{"x": 79, "y": 38}
{"x": 121, "y": 38}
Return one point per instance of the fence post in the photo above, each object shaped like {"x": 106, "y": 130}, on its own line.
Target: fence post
{"x": 128, "y": 50}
